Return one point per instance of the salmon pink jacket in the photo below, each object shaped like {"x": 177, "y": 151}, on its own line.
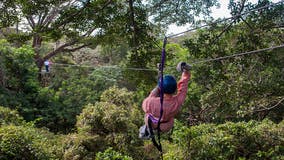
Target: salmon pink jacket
{"x": 171, "y": 104}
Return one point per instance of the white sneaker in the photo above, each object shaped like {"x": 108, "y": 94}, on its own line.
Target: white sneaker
{"x": 144, "y": 133}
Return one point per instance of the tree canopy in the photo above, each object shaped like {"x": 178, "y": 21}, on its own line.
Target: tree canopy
{"x": 73, "y": 24}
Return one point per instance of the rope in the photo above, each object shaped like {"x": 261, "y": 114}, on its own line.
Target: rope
{"x": 161, "y": 70}
{"x": 151, "y": 119}
{"x": 219, "y": 21}
{"x": 107, "y": 67}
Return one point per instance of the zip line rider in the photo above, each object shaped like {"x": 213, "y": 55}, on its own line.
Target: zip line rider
{"x": 171, "y": 104}
{"x": 47, "y": 64}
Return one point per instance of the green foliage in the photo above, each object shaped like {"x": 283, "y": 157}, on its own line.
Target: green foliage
{"x": 182, "y": 12}
{"x": 141, "y": 59}
{"x": 26, "y": 142}
{"x": 114, "y": 54}
{"x": 56, "y": 106}
{"x": 82, "y": 146}
{"x": 19, "y": 69}
{"x": 18, "y": 39}
{"x": 9, "y": 13}
{"x": 114, "y": 113}
{"x": 119, "y": 97}
{"x": 241, "y": 87}
{"x": 78, "y": 25}
{"x": 8, "y": 116}
{"x": 49, "y": 112}
{"x": 114, "y": 119}
{"x": 149, "y": 59}
{"x": 242, "y": 140}
{"x": 110, "y": 154}
{"x": 70, "y": 95}
{"x": 18, "y": 72}
{"x": 102, "y": 118}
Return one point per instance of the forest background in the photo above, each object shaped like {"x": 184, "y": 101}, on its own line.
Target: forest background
{"x": 104, "y": 56}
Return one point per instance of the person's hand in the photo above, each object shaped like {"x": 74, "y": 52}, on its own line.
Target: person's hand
{"x": 183, "y": 66}
{"x": 156, "y": 91}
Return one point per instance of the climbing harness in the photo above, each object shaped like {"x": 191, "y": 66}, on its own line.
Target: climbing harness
{"x": 151, "y": 119}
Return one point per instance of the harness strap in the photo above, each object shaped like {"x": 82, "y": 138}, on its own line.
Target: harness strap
{"x": 158, "y": 146}
{"x": 154, "y": 120}
{"x": 161, "y": 69}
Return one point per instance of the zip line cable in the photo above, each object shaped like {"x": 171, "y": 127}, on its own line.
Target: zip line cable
{"x": 196, "y": 62}
{"x": 104, "y": 77}
{"x": 156, "y": 70}
{"x": 105, "y": 67}
{"x": 219, "y": 21}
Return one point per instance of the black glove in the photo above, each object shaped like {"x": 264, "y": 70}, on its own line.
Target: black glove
{"x": 183, "y": 66}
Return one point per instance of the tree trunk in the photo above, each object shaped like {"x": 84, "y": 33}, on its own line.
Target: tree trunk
{"x": 37, "y": 40}
{"x": 2, "y": 77}
{"x": 1, "y": 71}
{"x": 133, "y": 24}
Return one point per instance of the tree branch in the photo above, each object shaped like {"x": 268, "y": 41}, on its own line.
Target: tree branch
{"x": 159, "y": 4}
{"x": 224, "y": 30}
{"x": 76, "y": 48}
{"x": 234, "y": 20}
{"x": 64, "y": 21}
{"x": 42, "y": 22}
{"x": 31, "y": 21}
{"x": 39, "y": 18}
{"x": 270, "y": 108}
{"x": 59, "y": 49}
{"x": 3, "y": 33}
{"x": 177, "y": 7}
{"x": 55, "y": 11}
{"x": 251, "y": 28}
{"x": 106, "y": 4}
{"x": 89, "y": 32}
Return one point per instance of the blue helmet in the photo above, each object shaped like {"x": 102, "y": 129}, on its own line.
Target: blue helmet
{"x": 169, "y": 84}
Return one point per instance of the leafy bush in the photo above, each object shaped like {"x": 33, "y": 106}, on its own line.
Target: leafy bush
{"x": 82, "y": 146}
{"x": 251, "y": 140}
{"x": 105, "y": 117}
{"x": 115, "y": 122}
{"x": 19, "y": 70}
{"x": 71, "y": 90}
{"x": 26, "y": 142}
{"x": 8, "y": 116}
{"x": 110, "y": 154}
{"x": 102, "y": 118}
{"x": 18, "y": 77}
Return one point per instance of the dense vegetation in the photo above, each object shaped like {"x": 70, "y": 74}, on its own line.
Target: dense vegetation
{"x": 104, "y": 56}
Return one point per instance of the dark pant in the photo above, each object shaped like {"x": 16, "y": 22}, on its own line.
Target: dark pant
{"x": 47, "y": 68}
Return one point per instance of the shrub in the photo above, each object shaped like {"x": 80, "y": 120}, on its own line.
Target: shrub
{"x": 114, "y": 121}
{"x": 110, "y": 154}
{"x": 82, "y": 146}
{"x": 26, "y": 142}
{"x": 103, "y": 118}
{"x": 8, "y": 116}
{"x": 243, "y": 140}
